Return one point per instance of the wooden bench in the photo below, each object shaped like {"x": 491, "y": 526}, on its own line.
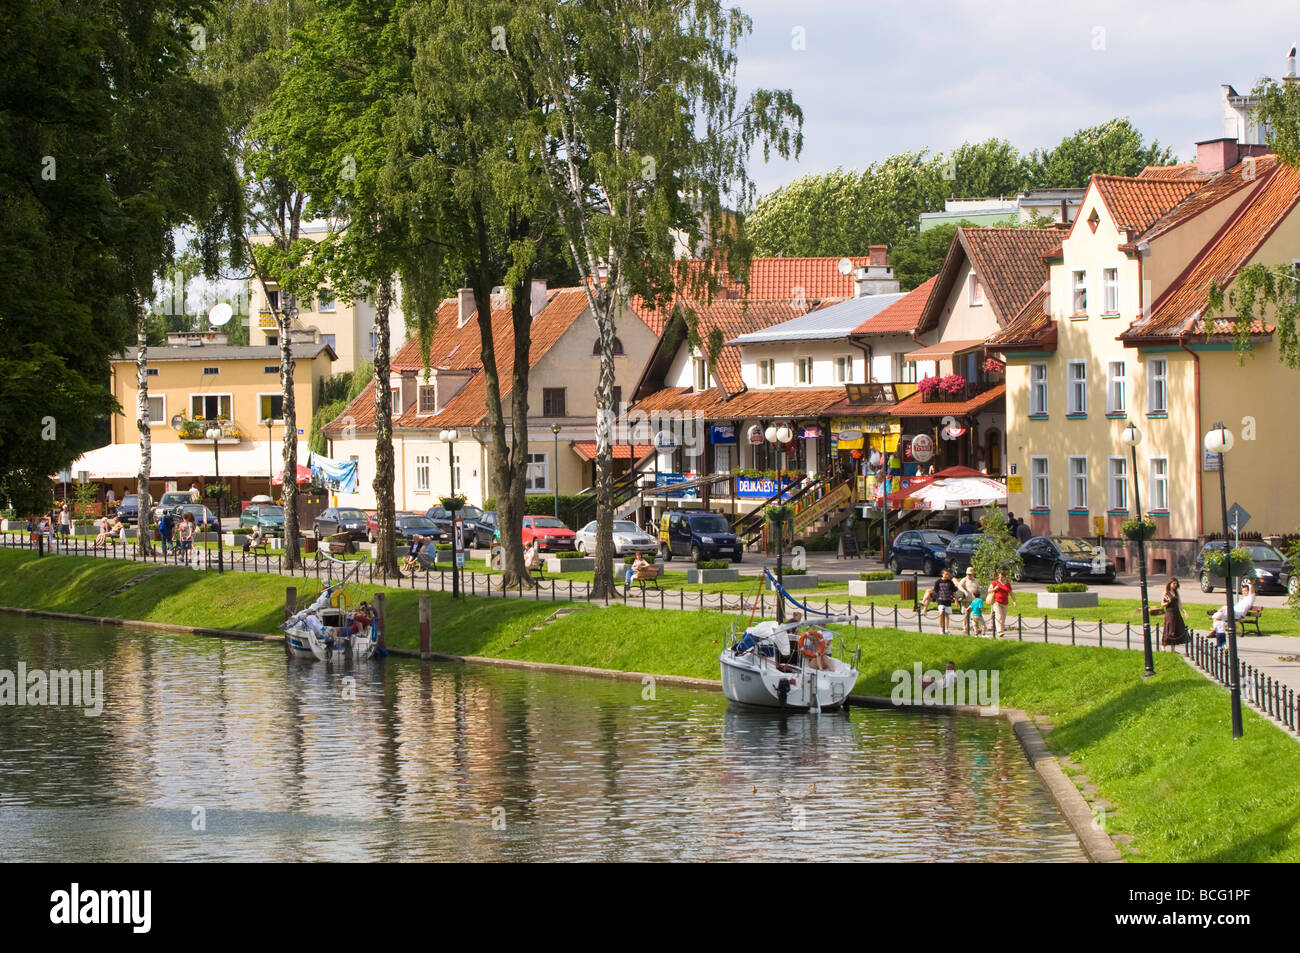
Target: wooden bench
{"x": 649, "y": 574}
{"x": 1244, "y": 622}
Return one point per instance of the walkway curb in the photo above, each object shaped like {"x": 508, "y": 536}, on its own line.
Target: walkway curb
{"x": 1095, "y": 843}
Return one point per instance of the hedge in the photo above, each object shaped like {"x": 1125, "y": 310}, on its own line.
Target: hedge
{"x": 712, "y": 564}
{"x": 875, "y": 576}
{"x": 569, "y": 554}
{"x": 1067, "y": 587}
{"x": 536, "y": 504}
{"x": 650, "y": 555}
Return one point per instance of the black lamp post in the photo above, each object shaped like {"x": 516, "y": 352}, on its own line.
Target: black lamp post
{"x": 449, "y": 438}
{"x": 1219, "y": 441}
{"x": 214, "y": 434}
{"x": 1132, "y": 437}
{"x": 777, "y": 436}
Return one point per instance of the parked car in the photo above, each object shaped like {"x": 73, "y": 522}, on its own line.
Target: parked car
{"x": 489, "y": 531}
{"x": 1272, "y": 569}
{"x": 474, "y": 532}
{"x": 172, "y": 502}
{"x": 923, "y": 549}
{"x": 698, "y": 534}
{"x": 266, "y": 515}
{"x": 407, "y": 525}
{"x": 204, "y": 519}
{"x": 1064, "y": 558}
{"x": 628, "y": 538}
{"x": 551, "y": 534}
{"x": 960, "y": 552}
{"x": 341, "y": 519}
{"x": 128, "y": 511}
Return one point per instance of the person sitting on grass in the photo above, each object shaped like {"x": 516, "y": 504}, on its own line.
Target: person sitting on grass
{"x": 945, "y": 681}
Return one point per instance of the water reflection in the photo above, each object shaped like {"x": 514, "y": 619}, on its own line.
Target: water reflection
{"x": 281, "y": 765}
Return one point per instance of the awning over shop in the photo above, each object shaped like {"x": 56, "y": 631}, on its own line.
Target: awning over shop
{"x": 586, "y": 449}
{"x": 955, "y": 488}
{"x": 856, "y": 433}
{"x": 121, "y": 461}
{"x": 943, "y": 350}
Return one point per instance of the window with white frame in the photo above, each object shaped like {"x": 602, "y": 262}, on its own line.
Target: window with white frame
{"x": 210, "y": 406}
{"x": 1110, "y": 290}
{"x": 700, "y": 373}
{"x": 767, "y": 373}
{"x": 1077, "y": 393}
{"x": 1078, "y": 483}
{"x": 1079, "y": 291}
{"x": 804, "y": 370}
{"x": 537, "y": 473}
{"x": 1157, "y": 385}
{"x": 1039, "y": 484}
{"x": 158, "y": 410}
{"x": 843, "y": 369}
{"x": 374, "y": 342}
{"x": 1159, "y": 492}
{"x": 1115, "y": 388}
{"x": 1118, "y": 483}
{"x": 428, "y": 399}
{"x": 421, "y": 472}
{"x": 976, "y": 290}
{"x": 1038, "y": 390}
{"x": 326, "y": 301}
{"x": 455, "y": 468}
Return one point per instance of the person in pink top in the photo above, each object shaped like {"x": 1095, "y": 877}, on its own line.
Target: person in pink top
{"x": 1000, "y": 592}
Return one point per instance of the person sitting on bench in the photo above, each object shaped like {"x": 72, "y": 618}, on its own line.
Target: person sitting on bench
{"x": 412, "y": 561}
{"x": 255, "y": 539}
{"x": 634, "y": 567}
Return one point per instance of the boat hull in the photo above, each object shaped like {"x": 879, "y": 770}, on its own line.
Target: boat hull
{"x": 757, "y": 682}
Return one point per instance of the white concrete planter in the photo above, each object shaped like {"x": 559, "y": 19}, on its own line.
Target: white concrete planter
{"x": 234, "y": 539}
{"x": 80, "y": 528}
{"x": 713, "y": 575}
{"x": 204, "y": 537}
{"x": 874, "y": 587}
{"x": 795, "y": 582}
{"x": 1067, "y": 600}
{"x": 556, "y": 564}
{"x": 13, "y": 526}
{"x": 447, "y": 556}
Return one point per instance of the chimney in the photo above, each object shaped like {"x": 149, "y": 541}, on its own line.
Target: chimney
{"x": 877, "y": 278}
{"x": 537, "y": 303}
{"x": 1290, "y": 65}
{"x": 1215, "y": 155}
{"x": 466, "y": 306}
{"x": 879, "y": 255}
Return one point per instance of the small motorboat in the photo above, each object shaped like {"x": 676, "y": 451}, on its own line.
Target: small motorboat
{"x": 323, "y": 631}
{"x": 773, "y": 665}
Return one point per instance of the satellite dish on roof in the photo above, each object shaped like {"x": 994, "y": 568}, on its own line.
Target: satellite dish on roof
{"x": 845, "y": 266}
{"x": 220, "y": 314}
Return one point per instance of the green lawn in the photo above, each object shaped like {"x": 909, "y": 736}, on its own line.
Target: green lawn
{"x": 1160, "y": 750}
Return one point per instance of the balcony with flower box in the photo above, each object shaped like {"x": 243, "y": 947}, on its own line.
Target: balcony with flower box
{"x": 952, "y": 389}
{"x": 196, "y": 431}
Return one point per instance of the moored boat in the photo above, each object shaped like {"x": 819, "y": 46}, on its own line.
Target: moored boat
{"x": 323, "y": 632}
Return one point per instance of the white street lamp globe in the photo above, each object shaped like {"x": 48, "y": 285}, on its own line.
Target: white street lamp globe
{"x": 770, "y": 434}
{"x": 1131, "y": 436}
{"x": 214, "y": 433}
{"x": 1219, "y": 440}
{"x": 453, "y": 435}
{"x": 784, "y": 434}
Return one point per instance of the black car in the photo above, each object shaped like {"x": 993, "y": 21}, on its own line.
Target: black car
{"x": 341, "y": 519}
{"x": 488, "y": 529}
{"x": 476, "y": 533}
{"x": 1064, "y": 558}
{"x": 923, "y": 549}
{"x": 960, "y": 551}
{"x": 413, "y": 524}
{"x": 1272, "y": 569}
{"x": 128, "y": 511}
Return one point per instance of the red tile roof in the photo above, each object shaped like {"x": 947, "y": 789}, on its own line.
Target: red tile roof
{"x": 903, "y": 315}
{"x": 1032, "y": 327}
{"x": 1182, "y": 170}
{"x": 1181, "y": 309}
{"x": 818, "y": 278}
{"x": 586, "y": 449}
{"x": 1136, "y": 204}
{"x": 1216, "y": 189}
{"x": 1009, "y": 262}
{"x": 917, "y": 406}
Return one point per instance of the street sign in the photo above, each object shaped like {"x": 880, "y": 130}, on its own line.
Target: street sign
{"x": 1237, "y": 517}
{"x": 460, "y": 537}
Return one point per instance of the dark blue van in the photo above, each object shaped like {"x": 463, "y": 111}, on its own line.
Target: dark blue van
{"x": 698, "y": 534}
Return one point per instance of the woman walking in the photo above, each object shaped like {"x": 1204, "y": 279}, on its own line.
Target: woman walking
{"x": 1175, "y": 630}
{"x": 1001, "y": 593}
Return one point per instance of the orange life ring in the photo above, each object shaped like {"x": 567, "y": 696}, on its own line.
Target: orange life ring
{"x": 820, "y": 643}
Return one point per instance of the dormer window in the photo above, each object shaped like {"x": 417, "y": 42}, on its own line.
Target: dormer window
{"x": 428, "y": 399}
{"x": 701, "y": 373}
{"x": 1093, "y": 219}
{"x": 976, "y": 291}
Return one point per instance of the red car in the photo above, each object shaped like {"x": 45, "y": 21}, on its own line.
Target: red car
{"x": 552, "y": 535}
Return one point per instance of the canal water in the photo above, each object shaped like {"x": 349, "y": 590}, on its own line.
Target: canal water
{"x": 216, "y": 750}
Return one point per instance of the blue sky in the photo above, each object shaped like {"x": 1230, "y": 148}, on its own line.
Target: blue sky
{"x": 886, "y": 76}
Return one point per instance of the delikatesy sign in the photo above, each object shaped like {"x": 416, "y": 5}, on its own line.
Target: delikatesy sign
{"x": 749, "y": 488}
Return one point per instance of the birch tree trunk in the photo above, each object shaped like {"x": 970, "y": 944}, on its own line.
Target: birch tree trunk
{"x": 605, "y": 584}
{"x": 144, "y": 519}
{"x": 385, "y": 507}
{"x": 292, "y": 558}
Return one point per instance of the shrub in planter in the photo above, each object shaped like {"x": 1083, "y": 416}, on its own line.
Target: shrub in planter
{"x": 794, "y": 572}
{"x": 1216, "y": 563}
{"x": 875, "y": 576}
{"x": 1067, "y": 587}
{"x": 712, "y": 564}
{"x": 242, "y": 531}
{"x": 1138, "y": 529}
{"x": 570, "y": 554}
{"x": 650, "y": 557}
{"x": 443, "y": 547}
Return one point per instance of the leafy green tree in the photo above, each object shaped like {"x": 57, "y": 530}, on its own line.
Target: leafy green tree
{"x": 996, "y": 550}
{"x": 984, "y": 170}
{"x": 916, "y": 257}
{"x": 1113, "y": 148}
{"x": 645, "y": 138}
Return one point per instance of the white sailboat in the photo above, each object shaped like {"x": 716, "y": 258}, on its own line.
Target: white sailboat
{"x": 790, "y": 665}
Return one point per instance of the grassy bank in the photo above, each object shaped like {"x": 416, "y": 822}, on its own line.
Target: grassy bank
{"x": 1160, "y": 751}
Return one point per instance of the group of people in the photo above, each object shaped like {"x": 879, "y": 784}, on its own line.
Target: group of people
{"x": 969, "y": 596}
{"x": 1019, "y": 528}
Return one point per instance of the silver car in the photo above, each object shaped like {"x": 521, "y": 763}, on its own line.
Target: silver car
{"x": 628, "y": 538}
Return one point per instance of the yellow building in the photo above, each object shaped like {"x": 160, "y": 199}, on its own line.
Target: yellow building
{"x": 197, "y": 381}
{"x": 346, "y": 326}
{"x": 1119, "y": 333}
